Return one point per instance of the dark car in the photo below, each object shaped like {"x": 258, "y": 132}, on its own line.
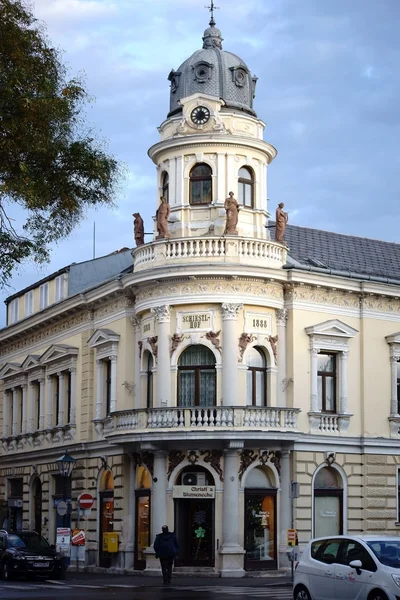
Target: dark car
{"x": 28, "y": 554}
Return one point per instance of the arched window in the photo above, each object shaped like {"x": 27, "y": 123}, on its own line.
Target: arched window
{"x": 246, "y": 187}
{"x": 256, "y": 377}
{"x": 165, "y": 185}
{"x": 197, "y": 377}
{"x": 149, "y": 374}
{"x": 200, "y": 184}
{"x": 328, "y": 503}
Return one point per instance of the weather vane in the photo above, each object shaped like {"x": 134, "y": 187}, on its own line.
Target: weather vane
{"x": 211, "y": 8}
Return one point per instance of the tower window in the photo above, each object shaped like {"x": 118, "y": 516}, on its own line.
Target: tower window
{"x": 200, "y": 190}
{"x": 165, "y": 185}
{"x": 246, "y": 187}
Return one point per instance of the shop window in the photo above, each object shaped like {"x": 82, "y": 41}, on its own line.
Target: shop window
{"x": 246, "y": 187}
{"x": 200, "y": 184}
{"x": 165, "y": 185}
{"x": 197, "y": 377}
{"x": 327, "y": 382}
{"x": 328, "y": 503}
{"x": 256, "y": 377}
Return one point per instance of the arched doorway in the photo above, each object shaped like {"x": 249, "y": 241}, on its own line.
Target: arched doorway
{"x": 194, "y": 517}
{"x": 37, "y": 505}
{"x": 106, "y": 496}
{"x": 142, "y": 516}
{"x": 328, "y": 502}
{"x": 260, "y": 540}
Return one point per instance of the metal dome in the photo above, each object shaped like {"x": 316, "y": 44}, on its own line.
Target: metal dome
{"x": 214, "y": 72}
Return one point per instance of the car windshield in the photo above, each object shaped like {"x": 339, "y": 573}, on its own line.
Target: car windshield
{"x": 387, "y": 552}
{"x": 27, "y": 541}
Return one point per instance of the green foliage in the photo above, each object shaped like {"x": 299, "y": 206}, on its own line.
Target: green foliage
{"x": 49, "y": 165}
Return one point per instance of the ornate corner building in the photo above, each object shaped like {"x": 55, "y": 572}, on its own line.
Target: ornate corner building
{"x": 195, "y": 377}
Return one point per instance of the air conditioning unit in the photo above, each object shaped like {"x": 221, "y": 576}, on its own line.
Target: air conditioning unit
{"x": 194, "y": 479}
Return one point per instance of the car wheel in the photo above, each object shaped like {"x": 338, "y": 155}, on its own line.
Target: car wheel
{"x": 301, "y": 593}
{"x": 377, "y": 595}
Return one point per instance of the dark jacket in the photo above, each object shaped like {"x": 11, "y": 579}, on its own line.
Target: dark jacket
{"x": 166, "y": 545}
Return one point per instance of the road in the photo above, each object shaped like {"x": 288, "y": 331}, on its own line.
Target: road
{"x": 79, "y": 590}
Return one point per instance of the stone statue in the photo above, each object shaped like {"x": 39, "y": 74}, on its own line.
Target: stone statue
{"x": 162, "y": 215}
{"x": 153, "y": 345}
{"x": 281, "y": 220}
{"x": 214, "y": 339}
{"x": 138, "y": 229}
{"x": 244, "y": 340}
{"x": 232, "y": 215}
{"x": 273, "y": 340}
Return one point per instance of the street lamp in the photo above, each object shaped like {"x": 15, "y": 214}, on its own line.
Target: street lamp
{"x": 65, "y": 465}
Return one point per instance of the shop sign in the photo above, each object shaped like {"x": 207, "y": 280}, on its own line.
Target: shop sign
{"x": 15, "y": 502}
{"x": 195, "y": 320}
{"x": 148, "y": 327}
{"x": 292, "y": 537}
{"x": 78, "y": 537}
{"x": 258, "y": 323}
{"x": 63, "y": 540}
{"x": 193, "y": 491}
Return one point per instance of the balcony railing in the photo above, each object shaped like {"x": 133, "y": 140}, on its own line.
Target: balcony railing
{"x": 264, "y": 253}
{"x": 196, "y": 418}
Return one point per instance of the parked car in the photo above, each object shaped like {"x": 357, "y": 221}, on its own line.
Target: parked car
{"x": 26, "y": 553}
{"x": 361, "y": 567}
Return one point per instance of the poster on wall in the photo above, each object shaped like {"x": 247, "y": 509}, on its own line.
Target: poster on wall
{"x": 63, "y": 541}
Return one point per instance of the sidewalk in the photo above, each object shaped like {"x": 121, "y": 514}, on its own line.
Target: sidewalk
{"x": 139, "y": 580}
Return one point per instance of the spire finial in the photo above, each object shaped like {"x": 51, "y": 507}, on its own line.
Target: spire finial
{"x": 211, "y": 8}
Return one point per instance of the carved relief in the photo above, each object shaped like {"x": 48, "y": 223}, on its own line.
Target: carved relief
{"x": 271, "y": 456}
{"x": 247, "y": 457}
{"x": 140, "y": 344}
{"x": 153, "y": 345}
{"x": 162, "y": 313}
{"x": 175, "y": 341}
{"x": 175, "y": 457}
{"x": 212, "y": 336}
{"x": 282, "y": 316}
{"x": 230, "y": 310}
{"x": 273, "y": 340}
{"x": 244, "y": 340}
{"x": 213, "y": 457}
{"x": 147, "y": 459}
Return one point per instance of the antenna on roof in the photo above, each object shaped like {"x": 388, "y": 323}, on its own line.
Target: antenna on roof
{"x": 94, "y": 239}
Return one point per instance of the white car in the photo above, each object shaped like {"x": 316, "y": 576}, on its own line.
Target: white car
{"x": 349, "y": 567}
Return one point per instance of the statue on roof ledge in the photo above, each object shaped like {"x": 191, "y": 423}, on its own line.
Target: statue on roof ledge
{"x": 281, "y": 220}
{"x": 162, "y": 215}
{"x": 232, "y": 215}
{"x": 138, "y": 229}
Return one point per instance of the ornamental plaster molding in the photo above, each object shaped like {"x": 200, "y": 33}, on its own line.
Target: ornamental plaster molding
{"x": 230, "y": 311}
{"x": 304, "y": 293}
{"x": 162, "y": 313}
{"x": 282, "y": 315}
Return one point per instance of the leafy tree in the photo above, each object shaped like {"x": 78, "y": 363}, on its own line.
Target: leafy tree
{"x": 49, "y": 164}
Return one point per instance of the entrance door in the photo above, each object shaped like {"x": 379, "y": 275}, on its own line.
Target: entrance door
{"x": 260, "y": 529}
{"x": 194, "y": 526}
{"x": 37, "y": 505}
{"x": 106, "y": 524}
{"x": 142, "y": 527}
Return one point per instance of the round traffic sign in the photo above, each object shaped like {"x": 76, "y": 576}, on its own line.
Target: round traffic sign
{"x": 62, "y": 508}
{"x": 86, "y": 501}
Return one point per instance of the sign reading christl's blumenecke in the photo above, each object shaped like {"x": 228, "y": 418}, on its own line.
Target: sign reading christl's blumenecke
{"x": 195, "y": 320}
{"x": 193, "y": 491}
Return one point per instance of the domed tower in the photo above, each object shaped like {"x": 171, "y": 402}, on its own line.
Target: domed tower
{"x": 212, "y": 144}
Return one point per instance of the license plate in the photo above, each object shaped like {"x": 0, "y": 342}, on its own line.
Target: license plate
{"x": 41, "y": 564}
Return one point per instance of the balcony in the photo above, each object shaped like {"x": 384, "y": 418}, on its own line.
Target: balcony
{"x": 197, "y": 419}
{"x": 221, "y": 250}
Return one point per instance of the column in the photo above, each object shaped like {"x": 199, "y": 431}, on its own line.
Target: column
{"x": 113, "y": 399}
{"x": 159, "y": 496}
{"x": 281, "y": 320}
{"x": 99, "y": 389}
{"x": 49, "y": 402}
{"x": 6, "y": 413}
{"x": 163, "y": 357}
{"x": 394, "y": 404}
{"x": 15, "y": 411}
{"x": 129, "y": 518}
{"x": 230, "y": 355}
{"x": 285, "y": 520}
{"x": 42, "y": 391}
{"x": 314, "y": 380}
{"x": 343, "y": 408}
{"x": 31, "y": 407}
{"x": 231, "y": 551}
{"x": 24, "y": 408}
{"x": 137, "y": 394}
{"x": 61, "y": 398}
{"x": 72, "y": 415}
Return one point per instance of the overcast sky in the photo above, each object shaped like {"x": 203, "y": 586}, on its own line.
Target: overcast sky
{"x": 328, "y": 89}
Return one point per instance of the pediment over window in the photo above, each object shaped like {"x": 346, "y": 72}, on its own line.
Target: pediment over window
{"x": 58, "y": 352}
{"x": 394, "y": 338}
{"x": 32, "y": 361}
{"x": 10, "y": 370}
{"x": 103, "y": 336}
{"x": 332, "y": 328}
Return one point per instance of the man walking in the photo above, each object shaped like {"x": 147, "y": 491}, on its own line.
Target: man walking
{"x": 166, "y": 548}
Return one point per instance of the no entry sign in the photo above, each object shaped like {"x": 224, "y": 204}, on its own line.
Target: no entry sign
{"x": 85, "y": 501}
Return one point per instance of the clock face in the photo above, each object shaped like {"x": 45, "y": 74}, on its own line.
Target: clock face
{"x": 200, "y": 115}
